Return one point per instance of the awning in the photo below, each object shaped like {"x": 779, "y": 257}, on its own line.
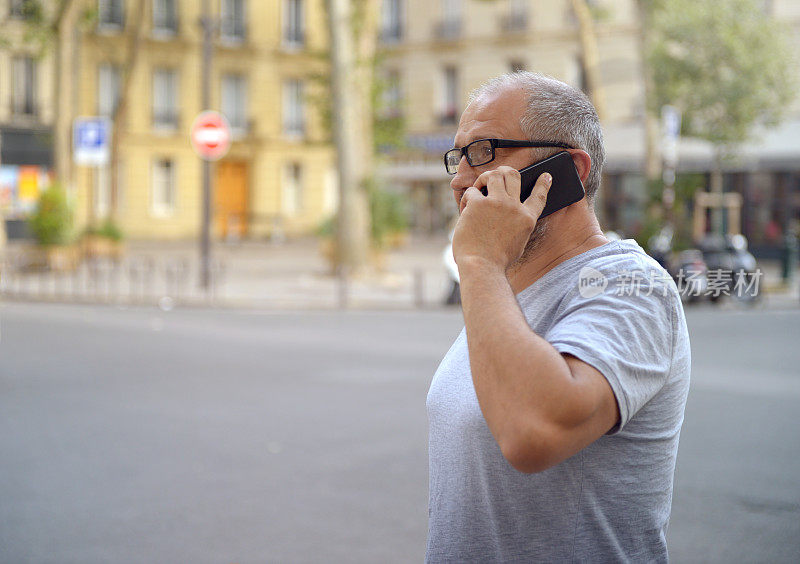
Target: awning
{"x": 26, "y": 146}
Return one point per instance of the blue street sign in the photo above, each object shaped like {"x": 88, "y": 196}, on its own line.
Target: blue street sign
{"x": 91, "y": 137}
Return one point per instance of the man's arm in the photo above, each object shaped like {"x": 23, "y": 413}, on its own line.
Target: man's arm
{"x": 541, "y": 406}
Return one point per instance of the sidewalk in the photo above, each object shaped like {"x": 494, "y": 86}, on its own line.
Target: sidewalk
{"x": 293, "y": 274}
{"x": 288, "y": 275}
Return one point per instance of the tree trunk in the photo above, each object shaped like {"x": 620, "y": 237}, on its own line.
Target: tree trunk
{"x": 589, "y": 62}
{"x": 589, "y": 56}
{"x": 118, "y": 119}
{"x": 353, "y": 155}
{"x": 62, "y": 30}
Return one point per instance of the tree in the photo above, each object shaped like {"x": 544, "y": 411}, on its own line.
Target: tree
{"x": 726, "y": 66}
{"x": 353, "y": 38}
{"x": 590, "y": 56}
{"x": 133, "y": 48}
{"x": 56, "y": 29}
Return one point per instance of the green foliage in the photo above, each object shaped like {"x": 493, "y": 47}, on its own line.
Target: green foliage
{"x": 32, "y": 11}
{"x": 601, "y": 13}
{"x": 108, "y": 230}
{"x": 320, "y": 94}
{"x": 686, "y": 184}
{"x": 388, "y": 123}
{"x": 38, "y": 32}
{"x": 87, "y": 19}
{"x": 41, "y": 31}
{"x": 51, "y": 223}
{"x": 652, "y": 225}
{"x": 726, "y": 65}
{"x": 388, "y": 216}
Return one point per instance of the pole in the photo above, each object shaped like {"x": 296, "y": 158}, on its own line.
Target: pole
{"x": 205, "y": 72}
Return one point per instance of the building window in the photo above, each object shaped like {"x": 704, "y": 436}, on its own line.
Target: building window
{"x": 392, "y": 96}
{"x": 162, "y": 196}
{"x": 449, "y": 102}
{"x": 110, "y": 14}
{"x": 24, "y": 86}
{"x": 293, "y": 197}
{"x": 165, "y": 17}
{"x": 165, "y": 99}
{"x": 391, "y": 21}
{"x": 234, "y": 102}
{"x": 293, "y": 108}
{"x": 232, "y": 28}
{"x": 25, "y": 9}
{"x": 516, "y": 18}
{"x": 293, "y": 31}
{"x": 108, "y": 82}
{"x": 450, "y": 25}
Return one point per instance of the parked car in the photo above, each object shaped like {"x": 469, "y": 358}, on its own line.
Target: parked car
{"x": 454, "y": 292}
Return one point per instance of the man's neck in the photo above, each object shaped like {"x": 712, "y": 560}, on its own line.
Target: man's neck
{"x": 555, "y": 249}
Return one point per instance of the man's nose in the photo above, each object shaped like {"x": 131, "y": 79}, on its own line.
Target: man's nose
{"x": 465, "y": 175}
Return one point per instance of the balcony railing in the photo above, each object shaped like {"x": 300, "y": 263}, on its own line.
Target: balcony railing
{"x": 233, "y": 31}
{"x": 294, "y": 38}
{"x": 111, "y": 17}
{"x": 165, "y": 26}
{"x": 448, "y": 29}
{"x": 392, "y": 34}
{"x": 241, "y": 127}
{"x": 511, "y": 23}
{"x": 24, "y": 108}
{"x": 165, "y": 119}
{"x": 294, "y": 129}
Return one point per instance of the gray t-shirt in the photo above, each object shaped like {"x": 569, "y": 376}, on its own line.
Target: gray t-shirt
{"x": 616, "y": 309}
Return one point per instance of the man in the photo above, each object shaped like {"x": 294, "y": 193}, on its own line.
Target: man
{"x": 555, "y": 415}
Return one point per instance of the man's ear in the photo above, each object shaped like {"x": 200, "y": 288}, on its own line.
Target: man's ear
{"x": 583, "y": 163}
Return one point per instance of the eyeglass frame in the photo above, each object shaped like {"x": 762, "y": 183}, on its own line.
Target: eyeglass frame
{"x": 500, "y": 144}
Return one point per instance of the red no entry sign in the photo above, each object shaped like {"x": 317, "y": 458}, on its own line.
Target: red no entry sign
{"x": 211, "y": 135}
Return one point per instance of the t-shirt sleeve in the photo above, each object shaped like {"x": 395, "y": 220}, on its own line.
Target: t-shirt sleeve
{"x": 629, "y": 338}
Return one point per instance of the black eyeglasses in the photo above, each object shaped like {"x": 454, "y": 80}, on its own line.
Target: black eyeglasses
{"x": 481, "y": 151}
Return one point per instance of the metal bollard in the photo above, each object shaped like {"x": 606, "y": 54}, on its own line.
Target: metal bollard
{"x": 419, "y": 288}
{"x": 342, "y": 286}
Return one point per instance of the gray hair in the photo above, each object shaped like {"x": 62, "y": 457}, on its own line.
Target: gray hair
{"x": 555, "y": 112}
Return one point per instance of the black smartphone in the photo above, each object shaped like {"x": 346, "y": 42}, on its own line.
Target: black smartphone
{"x": 567, "y": 187}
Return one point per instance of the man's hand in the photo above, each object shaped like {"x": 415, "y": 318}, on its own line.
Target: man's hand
{"x": 495, "y": 228}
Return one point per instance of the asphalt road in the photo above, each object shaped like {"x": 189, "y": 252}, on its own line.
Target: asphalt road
{"x": 208, "y": 436}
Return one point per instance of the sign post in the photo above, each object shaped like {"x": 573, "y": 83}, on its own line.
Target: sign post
{"x": 211, "y": 139}
{"x": 91, "y": 139}
{"x": 211, "y": 135}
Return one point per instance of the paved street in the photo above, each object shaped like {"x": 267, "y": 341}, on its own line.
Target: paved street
{"x": 136, "y": 435}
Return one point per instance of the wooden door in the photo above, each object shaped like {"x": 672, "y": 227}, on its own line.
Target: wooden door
{"x": 230, "y": 200}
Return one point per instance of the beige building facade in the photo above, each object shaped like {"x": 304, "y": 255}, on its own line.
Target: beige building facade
{"x": 27, "y": 118}
{"x": 439, "y": 52}
{"x": 276, "y": 180}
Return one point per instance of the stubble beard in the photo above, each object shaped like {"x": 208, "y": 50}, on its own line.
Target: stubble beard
{"x": 534, "y": 243}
